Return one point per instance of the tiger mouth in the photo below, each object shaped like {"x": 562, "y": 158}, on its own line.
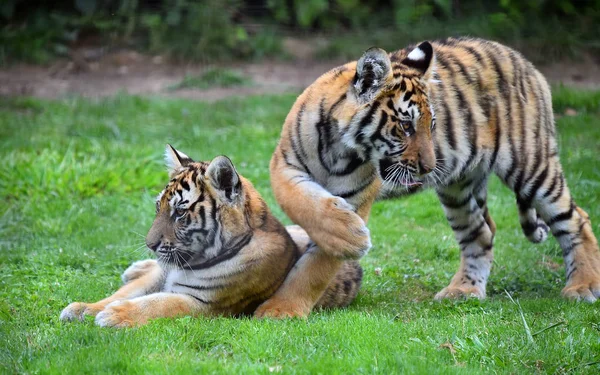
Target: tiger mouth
{"x": 395, "y": 174}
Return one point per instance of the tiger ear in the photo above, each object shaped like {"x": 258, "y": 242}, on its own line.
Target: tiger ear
{"x": 224, "y": 178}
{"x": 373, "y": 72}
{"x": 420, "y": 58}
{"x": 175, "y": 160}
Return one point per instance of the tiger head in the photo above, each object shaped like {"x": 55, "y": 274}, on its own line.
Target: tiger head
{"x": 392, "y": 114}
{"x": 201, "y": 215}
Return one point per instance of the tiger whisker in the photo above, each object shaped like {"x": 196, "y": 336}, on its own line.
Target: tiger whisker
{"x": 139, "y": 234}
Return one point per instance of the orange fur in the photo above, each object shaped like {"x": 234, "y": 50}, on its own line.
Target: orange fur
{"x": 220, "y": 252}
{"x": 445, "y": 115}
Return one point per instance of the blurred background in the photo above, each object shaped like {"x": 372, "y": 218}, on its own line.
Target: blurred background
{"x": 209, "y": 49}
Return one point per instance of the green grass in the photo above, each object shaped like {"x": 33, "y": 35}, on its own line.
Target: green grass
{"x": 214, "y": 77}
{"x": 77, "y": 181}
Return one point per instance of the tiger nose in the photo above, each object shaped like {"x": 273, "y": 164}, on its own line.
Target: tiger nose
{"x": 153, "y": 246}
{"x": 424, "y": 168}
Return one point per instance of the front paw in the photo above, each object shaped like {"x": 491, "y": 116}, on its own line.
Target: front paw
{"x": 341, "y": 232}
{"x": 588, "y": 291}
{"x": 78, "y": 311}
{"x": 117, "y": 314}
{"x": 460, "y": 292}
{"x": 277, "y": 308}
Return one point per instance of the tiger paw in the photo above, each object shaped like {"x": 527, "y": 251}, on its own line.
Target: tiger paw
{"x": 460, "y": 292}
{"x": 540, "y": 234}
{"x": 138, "y": 269}
{"x": 588, "y": 291}
{"x": 117, "y": 314}
{"x": 78, "y": 311}
{"x": 281, "y": 308}
{"x": 340, "y": 231}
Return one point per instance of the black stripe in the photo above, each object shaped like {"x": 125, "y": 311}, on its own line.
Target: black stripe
{"x": 403, "y": 86}
{"x": 347, "y": 286}
{"x": 366, "y": 121}
{"x": 461, "y": 67}
{"x": 457, "y": 228}
{"x": 523, "y": 152}
{"x": 453, "y": 202}
{"x": 476, "y": 54}
{"x": 561, "y": 188}
{"x": 528, "y": 227}
{"x": 563, "y": 216}
{"x": 483, "y": 252}
{"x": 229, "y": 252}
{"x": 553, "y": 185}
{"x": 472, "y": 236}
{"x": 296, "y": 149}
{"x": 350, "y": 193}
{"x": 498, "y": 135}
{"x": 323, "y": 126}
{"x": 299, "y": 133}
{"x": 571, "y": 273}
{"x": 471, "y": 129}
{"x": 204, "y": 287}
{"x": 535, "y": 187}
{"x": 244, "y": 269}
{"x": 184, "y": 184}
{"x": 449, "y": 127}
{"x": 504, "y": 91}
{"x": 199, "y": 299}
{"x": 560, "y": 233}
{"x": 303, "y": 168}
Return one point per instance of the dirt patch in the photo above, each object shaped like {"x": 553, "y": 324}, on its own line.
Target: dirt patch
{"x": 137, "y": 74}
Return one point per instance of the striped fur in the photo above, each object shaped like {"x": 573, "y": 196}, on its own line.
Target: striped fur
{"x": 220, "y": 252}
{"x": 443, "y": 115}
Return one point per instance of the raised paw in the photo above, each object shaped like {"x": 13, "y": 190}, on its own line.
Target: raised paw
{"x": 340, "y": 231}
{"x": 584, "y": 291}
{"x": 78, "y": 311}
{"x": 138, "y": 269}
{"x": 460, "y": 292}
{"x": 117, "y": 314}
{"x": 540, "y": 234}
{"x": 276, "y": 308}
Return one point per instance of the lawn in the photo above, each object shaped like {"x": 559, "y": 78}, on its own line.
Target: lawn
{"x": 77, "y": 182}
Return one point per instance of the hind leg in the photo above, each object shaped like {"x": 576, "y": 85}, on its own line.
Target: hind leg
{"x": 571, "y": 227}
{"x": 466, "y": 211}
{"x": 545, "y": 191}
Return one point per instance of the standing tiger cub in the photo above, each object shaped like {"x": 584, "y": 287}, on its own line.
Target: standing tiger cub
{"x": 220, "y": 252}
{"x": 446, "y": 115}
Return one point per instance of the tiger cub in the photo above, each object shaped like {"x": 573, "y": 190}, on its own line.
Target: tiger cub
{"x": 220, "y": 252}
{"x": 445, "y": 115}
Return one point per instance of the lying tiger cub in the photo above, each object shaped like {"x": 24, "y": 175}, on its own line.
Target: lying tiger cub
{"x": 220, "y": 252}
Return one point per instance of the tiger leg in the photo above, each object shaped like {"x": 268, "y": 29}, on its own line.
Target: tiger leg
{"x": 466, "y": 211}
{"x": 344, "y": 287}
{"x": 139, "y": 279}
{"x": 571, "y": 227}
{"x": 138, "y": 311}
{"x": 330, "y": 221}
{"x": 340, "y": 234}
{"x": 303, "y": 287}
{"x": 532, "y": 225}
